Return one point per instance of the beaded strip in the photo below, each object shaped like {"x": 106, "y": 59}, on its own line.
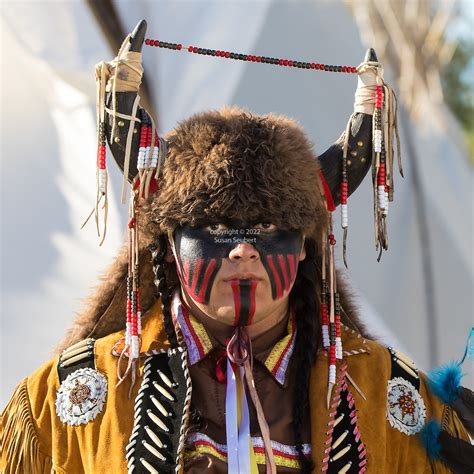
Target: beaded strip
{"x": 187, "y": 403}
{"x": 285, "y": 455}
{"x": 251, "y": 57}
{"x": 330, "y": 455}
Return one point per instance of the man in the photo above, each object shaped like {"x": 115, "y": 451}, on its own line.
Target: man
{"x": 223, "y": 363}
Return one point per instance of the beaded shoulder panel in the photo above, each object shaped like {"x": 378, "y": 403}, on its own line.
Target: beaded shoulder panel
{"x": 406, "y": 410}
{"x": 78, "y": 356}
{"x": 161, "y": 414}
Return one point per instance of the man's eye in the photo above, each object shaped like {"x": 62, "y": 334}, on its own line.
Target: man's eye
{"x": 215, "y": 227}
{"x": 266, "y": 227}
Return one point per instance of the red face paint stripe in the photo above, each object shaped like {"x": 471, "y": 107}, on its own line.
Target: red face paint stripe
{"x": 235, "y": 291}
{"x": 279, "y": 291}
{"x": 207, "y": 274}
{"x": 193, "y": 332}
{"x": 291, "y": 264}
{"x": 186, "y": 273}
{"x": 281, "y": 261}
{"x": 196, "y": 272}
{"x": 253, "y": 286}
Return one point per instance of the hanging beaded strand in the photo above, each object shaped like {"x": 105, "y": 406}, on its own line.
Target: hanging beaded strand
{"x": 332, "y": 313}
{"x": 380, "y": 183}
{"x": 324, "y": 295}
{"x": 148, "y": 154}
{"x": 102, "y": 178}
{"x": 251, "y": 57}
{"x": 344, "y": 192}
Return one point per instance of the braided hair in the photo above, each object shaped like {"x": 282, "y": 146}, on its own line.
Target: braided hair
{"x": 304, "y": 298}
{"x": 158, "y": 252}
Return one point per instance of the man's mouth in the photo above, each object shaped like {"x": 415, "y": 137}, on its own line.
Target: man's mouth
{"x": 243, "y": 276}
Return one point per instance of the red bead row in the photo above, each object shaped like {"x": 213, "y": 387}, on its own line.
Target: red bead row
{"x": 251, "y": 58}
{"x": 378, "y": 97}
{"x": 324, "y": 314}
{"x": 344, "y": 192}
{"x": 101, "y": 157}
{"x": 332, "y": 353}
{"x": 381, "y": 177}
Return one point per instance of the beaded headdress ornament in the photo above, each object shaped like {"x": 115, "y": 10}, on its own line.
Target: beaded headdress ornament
{"x": 139, "y": 151}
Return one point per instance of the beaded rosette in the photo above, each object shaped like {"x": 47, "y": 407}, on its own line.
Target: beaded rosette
{"x": 81, "y": 397}
{"x": 405, "y": 408}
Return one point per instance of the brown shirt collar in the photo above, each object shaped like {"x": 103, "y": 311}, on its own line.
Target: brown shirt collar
{"x": 273, "y": 348}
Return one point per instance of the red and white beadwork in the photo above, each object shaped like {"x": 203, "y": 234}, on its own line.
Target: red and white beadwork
{"x": 405, "y": 408}
{"x": 81, "y": 396}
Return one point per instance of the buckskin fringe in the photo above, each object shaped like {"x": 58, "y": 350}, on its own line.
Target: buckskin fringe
{"x": 19, "y": 444}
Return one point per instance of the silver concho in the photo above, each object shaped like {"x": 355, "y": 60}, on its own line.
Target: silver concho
{"x": 405, "y": 408}
{"x": 81, "y": 396}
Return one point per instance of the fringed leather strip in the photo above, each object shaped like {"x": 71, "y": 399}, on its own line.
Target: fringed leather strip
{"x": 20, "y": 447}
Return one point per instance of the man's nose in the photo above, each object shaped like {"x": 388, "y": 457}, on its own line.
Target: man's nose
{"x": 244, "y": 252}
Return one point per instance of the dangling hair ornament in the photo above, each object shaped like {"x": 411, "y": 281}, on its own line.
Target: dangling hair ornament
{"x": 373, "y": 91}
{"x": 331, "y": 323}
{"x": 118, "y": 82}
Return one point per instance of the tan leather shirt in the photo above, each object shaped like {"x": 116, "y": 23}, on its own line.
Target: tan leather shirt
{"x": 35, "y": 440}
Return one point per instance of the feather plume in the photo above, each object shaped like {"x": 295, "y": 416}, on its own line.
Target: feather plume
{"x": 445, "y": 380}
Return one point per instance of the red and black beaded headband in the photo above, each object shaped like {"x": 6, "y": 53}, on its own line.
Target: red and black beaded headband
{"x": 368, "y": 142}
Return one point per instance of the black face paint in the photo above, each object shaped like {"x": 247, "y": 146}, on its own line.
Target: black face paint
{"x": 200, "y": 252}
{"x": 244, "y": 301}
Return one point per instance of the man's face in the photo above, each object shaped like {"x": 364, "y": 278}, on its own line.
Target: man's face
{"x": 238, "y": 273}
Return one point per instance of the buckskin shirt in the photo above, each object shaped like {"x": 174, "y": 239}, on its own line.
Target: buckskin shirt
{"x": 372, "y": 427}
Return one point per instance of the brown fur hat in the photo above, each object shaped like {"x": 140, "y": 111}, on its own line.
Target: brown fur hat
{"x": 226, "y": 163}
{"x": 235, "y": 164}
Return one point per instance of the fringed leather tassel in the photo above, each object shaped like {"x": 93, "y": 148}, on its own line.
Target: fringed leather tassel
{"x": 20, "y": 445}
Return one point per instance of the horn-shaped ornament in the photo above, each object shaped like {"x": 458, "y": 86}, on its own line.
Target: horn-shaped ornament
{"x": 137, "y": 149}
{"x": 367, "y": 142}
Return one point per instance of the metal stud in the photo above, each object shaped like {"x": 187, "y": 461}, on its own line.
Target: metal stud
{"x": 117, "y": 139}
{"x": 359, "y": 143}
{"x": 353, "y": 153}
{"x": 121, "y": 123}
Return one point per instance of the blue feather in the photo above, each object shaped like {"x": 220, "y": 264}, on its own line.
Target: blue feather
{"x": 445, "y": 380}
{"x": 430, "y": 438}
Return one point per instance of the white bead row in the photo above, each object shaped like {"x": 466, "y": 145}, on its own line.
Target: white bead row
{"x": 141, "y": 158}
{"x": 338, "y": 348}
{"x": 332, "y": 374}
{"x": 135, "y": 352}
{"x": 382, "y": 197}
{"x": 378, "y": 141}
{"x": 102, "y": 181}
{"x": 344, "y": 216}
{"x": 325, "y": 331}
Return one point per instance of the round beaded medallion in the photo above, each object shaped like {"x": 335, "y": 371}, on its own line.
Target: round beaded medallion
{"x": 405, "y": 408}
{"x": 81, "y": 396}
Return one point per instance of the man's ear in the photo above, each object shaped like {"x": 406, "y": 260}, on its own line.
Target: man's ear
{"x": 302, "y": 255}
